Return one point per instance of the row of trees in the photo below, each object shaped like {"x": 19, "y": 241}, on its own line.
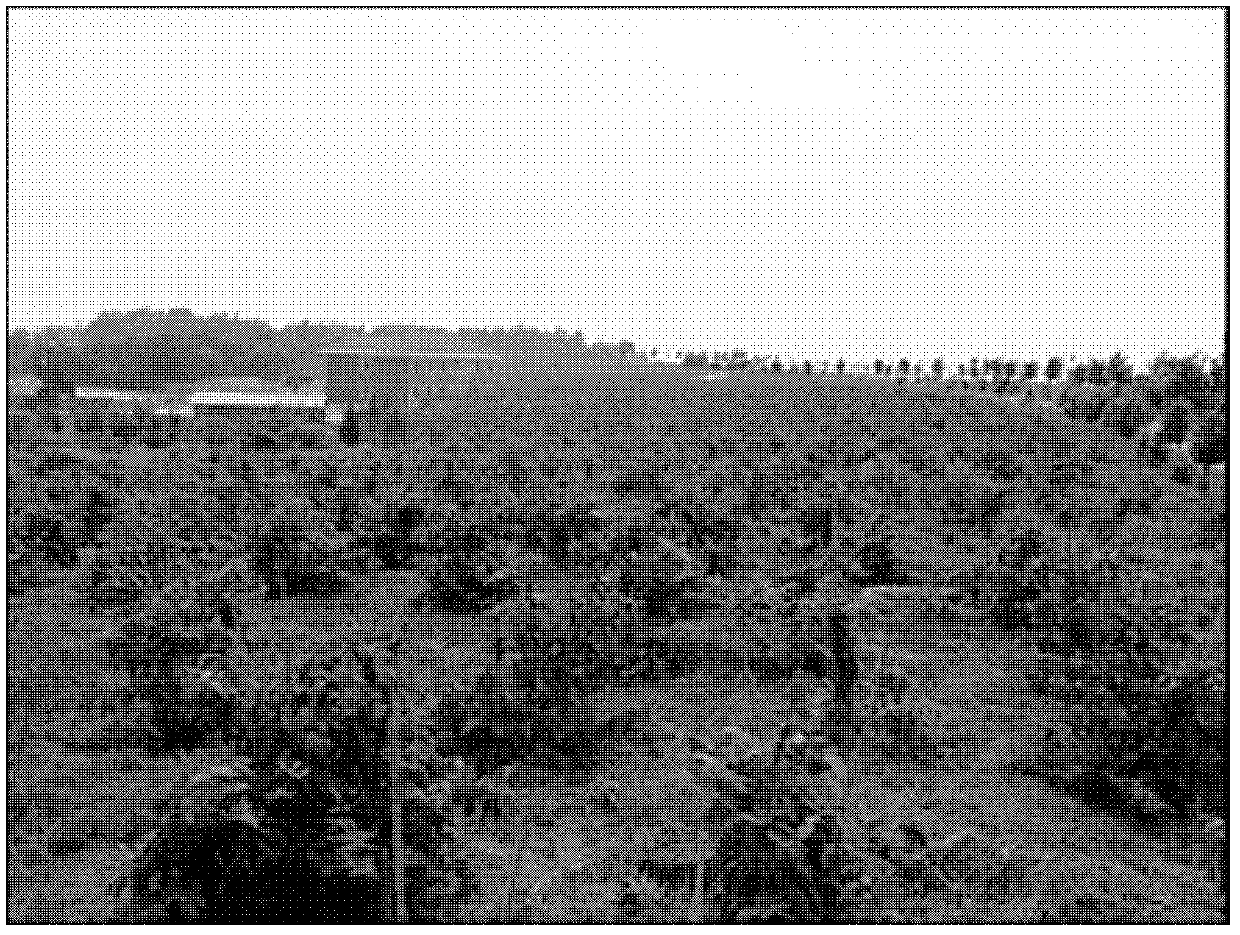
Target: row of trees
{"x": 1176, "y": 401}
{"x": 1190, "y": 377}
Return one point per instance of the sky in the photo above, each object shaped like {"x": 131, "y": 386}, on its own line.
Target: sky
{"x": 812, "y": 183}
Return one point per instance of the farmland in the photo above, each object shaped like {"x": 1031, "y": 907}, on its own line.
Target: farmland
{"x": 619, "y": 645}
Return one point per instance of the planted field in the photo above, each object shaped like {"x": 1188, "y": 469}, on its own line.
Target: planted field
{"x": 618, "y": 647}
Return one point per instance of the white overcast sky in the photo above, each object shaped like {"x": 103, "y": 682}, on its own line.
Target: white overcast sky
{"x": 814, "y": 182}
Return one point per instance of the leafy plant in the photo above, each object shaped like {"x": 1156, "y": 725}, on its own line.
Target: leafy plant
{"x": 293, "y": 821}
{"x": 468, "y": 582}
{"x": 298, "y": 554}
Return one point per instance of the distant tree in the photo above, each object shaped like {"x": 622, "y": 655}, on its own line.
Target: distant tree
{"x": 1218, "y": 371}
{"x": 350, "y": 428}
{"x": 878, "y": 366}
{"x": 974, "y": 368}
{"x": 1009, "y": 370}
{"x": 1119, "y": 368}
{"x": 1125, "y": 413}
{"x": 1175, "y": 423}
{"x": 1183, "y": 378}
{"x": 1181, "y": 469}
{"x": 56, "y": 379}
{"x": 1210, "y": 445}
{"x": 902, "y": 368}
{"x": 816, "y": 523}
{"x": 1095, "y": 372}
{"x": 1153, "y": 392}
{"x": 1054, "y": 369}
{"x": 1083, "y": 403}
{"x": 918, "y": 368}
{"x": 841, "y": 365}
{"x": 777, "y": 365}
{"x": 1031, "y": 369}
{"x": 962, "y": 369}
{"x": 937, "y": 366}
{"x": 21, "y": 352}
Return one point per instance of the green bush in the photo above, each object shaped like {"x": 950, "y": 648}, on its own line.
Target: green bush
{"x": 877, "y": 557}
{"x": 660, "y": 578}
{"x": 167, "y": 691}
{"x": 903, "y": 734}
{"x": 468, "y": 582}
{"x": 300, "y": 554}
{"x": 1182, "y": 470}
{"x": 292, "y": 823}
{"x": 794, "y": 845}
{"x": 505, "y": 715}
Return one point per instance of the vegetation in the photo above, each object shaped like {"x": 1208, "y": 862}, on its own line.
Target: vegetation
{"x": 552, "y": 642}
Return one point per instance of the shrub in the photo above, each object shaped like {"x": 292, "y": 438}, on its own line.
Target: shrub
{"x": 307, "y": 436}
{"x": 1126, "y": 412}
{"x": 167, "y": 689}
{"x": 397, "y": 533}
{"x": 235, "y": 848}
{"x": 877, "y": 559}
{"x": 292, "y": 824}
{"x": 902, "y": 734}
{"x": 519, "y": 710}
{"x": 120, "y": 575}
{"x": 660, "y": 578}
{"x": 1176, "y": 422}
{"x": 794, "y": 845}
{"x": 968, "y": 497}
{"x": 52, "y": 534}
{"x": 1153, "y": 720}
{"x": 1182, "y": 470}
{"x": 562, "y": 532}
{"x": 532, "y": 701}
{"x": 299, "y": 554}
{"x": 1084, "y": 403}
{"x": 1210, "y": 440}
{"x": 816, "y": 524}
{"x": 468, "y": 582}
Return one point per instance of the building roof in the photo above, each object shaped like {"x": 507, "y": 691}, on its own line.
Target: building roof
{"x": 107, "y": 393}
{"x": 288, "y": 400}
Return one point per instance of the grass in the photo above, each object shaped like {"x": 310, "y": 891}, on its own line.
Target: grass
{"x": 74, "y": 816}
{"x": 619, "y": 842}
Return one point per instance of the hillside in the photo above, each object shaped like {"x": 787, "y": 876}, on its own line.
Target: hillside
{"x": 632, "y": 647}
